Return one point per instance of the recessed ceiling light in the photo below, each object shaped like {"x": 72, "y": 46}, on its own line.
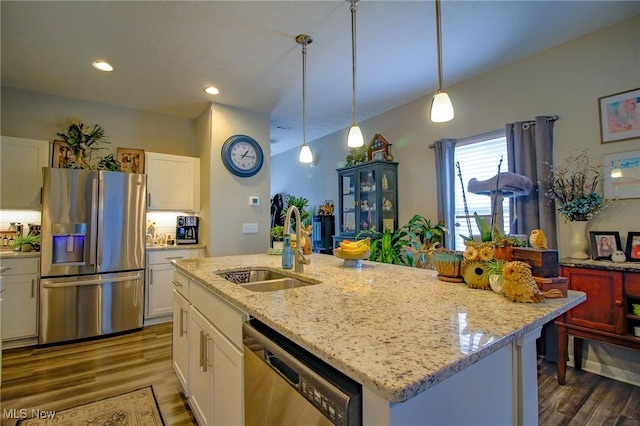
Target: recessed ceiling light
{"x": 102, "y": 65}
{"x": 211, "y": 90}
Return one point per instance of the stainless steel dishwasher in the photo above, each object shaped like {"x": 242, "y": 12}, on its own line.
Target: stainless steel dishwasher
{"x": 286, "y": 385}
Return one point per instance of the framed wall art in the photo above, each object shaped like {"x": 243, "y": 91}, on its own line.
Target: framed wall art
{"x": 633, "y": 247}
{"x": 62, "y": 154}
{"x": 603, "y": 244}
{"x": 621, "y": 175}
{"x": 378, "y": 148}
{"x": 131, "y": 160}
{"x": 620, "y": 116}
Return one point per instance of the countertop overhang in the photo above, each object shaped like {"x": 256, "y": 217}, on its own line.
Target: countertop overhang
{"x": 397, "y": 330}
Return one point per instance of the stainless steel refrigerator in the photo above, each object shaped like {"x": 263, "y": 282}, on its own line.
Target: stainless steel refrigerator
{"x": 92, "y": 253}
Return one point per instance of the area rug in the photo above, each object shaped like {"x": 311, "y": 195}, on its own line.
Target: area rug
{"x": 135, "y": 408}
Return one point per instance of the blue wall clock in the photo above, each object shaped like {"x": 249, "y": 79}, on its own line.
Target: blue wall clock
{"x": 242, "y": 155}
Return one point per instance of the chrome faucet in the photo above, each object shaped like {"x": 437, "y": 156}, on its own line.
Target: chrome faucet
{"x": 300, "y": 260}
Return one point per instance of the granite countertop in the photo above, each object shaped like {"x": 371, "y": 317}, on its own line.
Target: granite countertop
{"x": 397, "y": 330}
{"x": 10, "y": 254}
{"x": 176, "y": 247}
{"x": 601, "y": 264}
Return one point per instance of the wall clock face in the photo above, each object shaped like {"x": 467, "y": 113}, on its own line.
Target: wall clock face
{"x": 242, "y": 155}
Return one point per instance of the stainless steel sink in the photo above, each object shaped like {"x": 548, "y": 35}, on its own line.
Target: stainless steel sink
{"x": 263, "y": 280}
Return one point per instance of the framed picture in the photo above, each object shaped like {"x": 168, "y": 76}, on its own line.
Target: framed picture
{"x": 621, "y": 172}
{"x": 633, "y": 247}
{"x": 388, "y": 224}
{"x": 62, "y": 155}
{"x": 378, "y": 148}
{"x": 132, "y": 160}
{"x": 620, "y": 116}
{"x": 603, "y": 244}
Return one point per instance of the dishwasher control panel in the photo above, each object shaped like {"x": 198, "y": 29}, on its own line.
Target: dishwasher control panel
{"x": 330, "y": 408}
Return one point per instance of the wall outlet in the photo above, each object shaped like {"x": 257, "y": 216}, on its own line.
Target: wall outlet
{"x": 250, "y": 228}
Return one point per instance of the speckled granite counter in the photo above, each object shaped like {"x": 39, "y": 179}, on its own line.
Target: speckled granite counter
{"x": 176, "y": 247}
{"x": 10, "y": 254}
{"x": 397, "y": 330}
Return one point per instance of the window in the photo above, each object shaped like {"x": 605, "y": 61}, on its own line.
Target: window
{"x": 479, "y": 157}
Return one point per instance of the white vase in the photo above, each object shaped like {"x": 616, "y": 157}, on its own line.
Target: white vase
{"x": 579, "y": 242}
{"x": 278, "y": 245}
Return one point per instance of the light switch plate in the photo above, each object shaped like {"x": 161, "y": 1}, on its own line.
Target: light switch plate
{"x": 250, "y": 228}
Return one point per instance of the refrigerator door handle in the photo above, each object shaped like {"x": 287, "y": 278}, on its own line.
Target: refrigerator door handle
{"x": 94, "y": 221}
{"x": 91, "y": 282}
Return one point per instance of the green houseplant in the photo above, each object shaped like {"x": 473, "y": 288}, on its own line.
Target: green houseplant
{"x": 83, "y": 140}
{"x": 25, "y": 242}
{"x": 277, "y": 235}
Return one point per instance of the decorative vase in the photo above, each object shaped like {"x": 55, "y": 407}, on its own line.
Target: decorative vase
{"x": 579, "y": 242}
{"x": 25, "y": 247}
{"x": 278, "y": 245}
{"x": 448, "y": 265}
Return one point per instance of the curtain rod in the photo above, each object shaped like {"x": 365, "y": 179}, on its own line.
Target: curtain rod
{"x": 549, "y": 118}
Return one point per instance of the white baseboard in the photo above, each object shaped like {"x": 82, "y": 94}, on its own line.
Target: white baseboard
{"x": 630, "y": 377}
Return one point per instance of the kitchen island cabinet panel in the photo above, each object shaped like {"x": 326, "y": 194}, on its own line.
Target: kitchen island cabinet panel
{"x": 180, "y": 347}
{"x": 21, "y": 163}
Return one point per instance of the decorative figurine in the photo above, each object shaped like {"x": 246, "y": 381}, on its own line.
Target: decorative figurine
{"x": 385, "y": 182}
{"x": 538, "y": 239}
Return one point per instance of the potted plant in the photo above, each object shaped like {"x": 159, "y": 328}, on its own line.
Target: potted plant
{"x": 387, "y": 247}
{"x": 430, "y": 237}
{"x": 83, "y": 141}
{"x": 25, "y": 242}
{"x": 277, "y": 234}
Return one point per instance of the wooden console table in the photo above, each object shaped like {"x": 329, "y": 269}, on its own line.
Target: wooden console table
{"x": 607, "y": 315}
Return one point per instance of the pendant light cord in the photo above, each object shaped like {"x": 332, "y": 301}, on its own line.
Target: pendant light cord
{"x": 353, "y": 9}
{"x": 304, "y": 90}
{"x": 439, "y": 45}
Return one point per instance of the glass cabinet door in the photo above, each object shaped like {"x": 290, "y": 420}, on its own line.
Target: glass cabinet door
{"x": 367, "y": 212}
{"x": 348, "y": 204}
{"x": 389, "y": 199}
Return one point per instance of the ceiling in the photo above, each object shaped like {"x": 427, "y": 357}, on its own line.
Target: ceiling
{"x": 164, "y": 53}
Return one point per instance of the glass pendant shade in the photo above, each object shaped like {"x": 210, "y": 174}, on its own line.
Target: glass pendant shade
{"x": 355, "y": 138}
{"x": 441, "y": 108}
{"x": 305, "y": 155}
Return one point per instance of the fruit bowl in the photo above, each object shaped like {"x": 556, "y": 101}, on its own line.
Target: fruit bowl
{"x": 341, "y": 254}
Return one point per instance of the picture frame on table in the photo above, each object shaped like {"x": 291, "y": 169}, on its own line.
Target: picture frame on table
{"x": 131, "y": 160}
{"x": 633, "y": 247}
{"x": 61, "y": 155}
{"x": 619, "y": 116}
{"x": 378, "y": 148}
{"x": 603, "y": 244}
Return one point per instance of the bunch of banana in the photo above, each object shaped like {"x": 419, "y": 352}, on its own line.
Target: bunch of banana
{"x": 354, "y": 249}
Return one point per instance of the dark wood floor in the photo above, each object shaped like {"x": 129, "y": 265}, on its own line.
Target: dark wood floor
{"x": 64, "y": 376}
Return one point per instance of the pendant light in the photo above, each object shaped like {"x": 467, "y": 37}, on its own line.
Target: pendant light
{"x": 354, "y": 138}
{"x": 305, "y": 155}
{"x": 441, "y": 106}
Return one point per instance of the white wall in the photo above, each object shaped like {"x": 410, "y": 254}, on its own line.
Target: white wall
{"x": 34, "y": 115}
{"x": 225, "y": 197}
{"x": 566, "y": 81}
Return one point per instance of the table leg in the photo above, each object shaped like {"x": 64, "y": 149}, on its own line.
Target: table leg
{"x": 577, "y": 353}
{"x": 562, "y": 353}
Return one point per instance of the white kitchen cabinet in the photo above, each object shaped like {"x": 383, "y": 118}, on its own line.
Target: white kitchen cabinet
{"x": 20, "y": 299}
{"x": 215, "y": 380}
{"x": 158, "y": 286}
{"x": 21, "y": 163}
{"x": 173, "y": 182}
{"x": 180, "y": 350}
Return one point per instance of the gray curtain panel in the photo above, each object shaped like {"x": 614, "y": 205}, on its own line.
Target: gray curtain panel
{"x": 445, "y": 177}
{"x": 530, "y": 151}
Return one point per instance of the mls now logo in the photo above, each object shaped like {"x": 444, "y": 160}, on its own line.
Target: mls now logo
{"x": 23, "y": 413}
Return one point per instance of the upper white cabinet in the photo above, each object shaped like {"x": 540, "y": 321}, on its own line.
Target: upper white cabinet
{"x": 21, "y": 163}
{"x": 173, "y": 182}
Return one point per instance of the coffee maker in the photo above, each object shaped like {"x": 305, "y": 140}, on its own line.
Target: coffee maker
{"x": 187, "y": 230}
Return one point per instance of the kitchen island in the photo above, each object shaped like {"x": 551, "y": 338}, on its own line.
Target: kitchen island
{"x": 425, "y": 351}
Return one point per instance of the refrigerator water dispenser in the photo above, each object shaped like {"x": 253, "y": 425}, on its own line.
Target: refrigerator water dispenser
{"x": 68, "y": 243}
